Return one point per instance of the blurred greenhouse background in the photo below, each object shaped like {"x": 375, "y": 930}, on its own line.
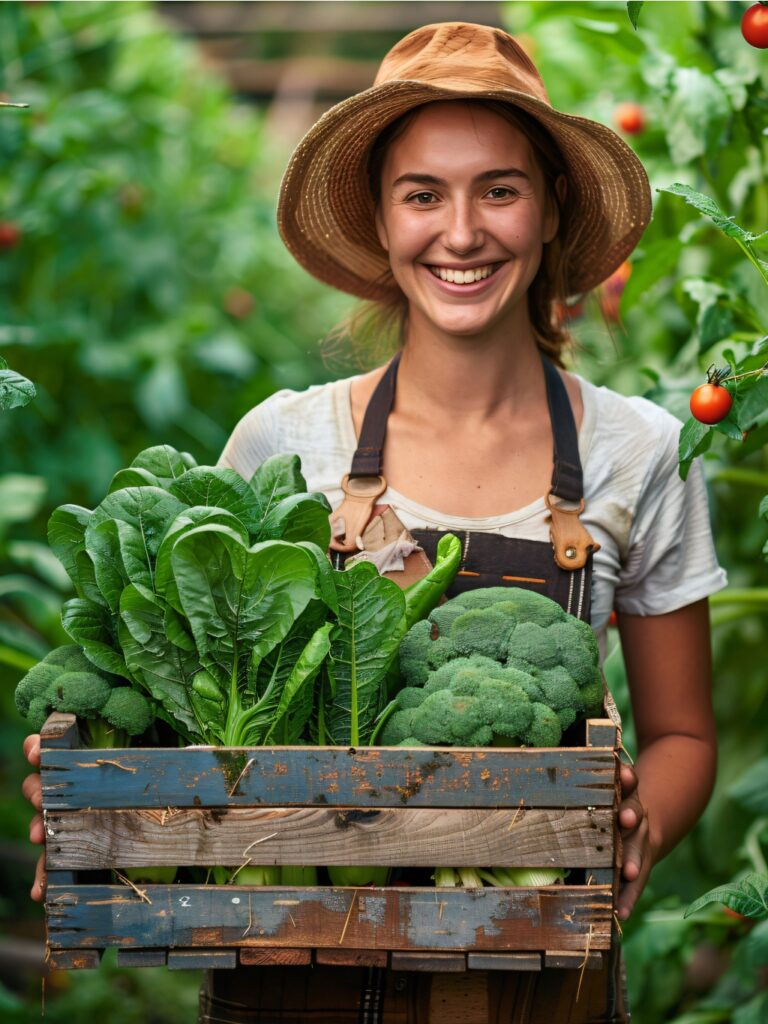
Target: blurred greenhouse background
{"x": 146, "y": 294}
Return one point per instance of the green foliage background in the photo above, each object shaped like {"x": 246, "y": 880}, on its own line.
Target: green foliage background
{"x": 150, "y": 300}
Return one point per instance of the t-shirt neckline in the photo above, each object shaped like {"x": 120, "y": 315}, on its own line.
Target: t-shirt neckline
{"x": 496, "y": 522}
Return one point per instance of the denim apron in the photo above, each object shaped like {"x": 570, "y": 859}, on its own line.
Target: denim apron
{"x": 560, "y": 569}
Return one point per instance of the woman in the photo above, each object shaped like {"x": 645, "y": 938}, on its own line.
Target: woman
{"x": 455, "y": 197}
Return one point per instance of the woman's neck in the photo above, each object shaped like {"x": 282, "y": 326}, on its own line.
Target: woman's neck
{"x": 470, "y": 376}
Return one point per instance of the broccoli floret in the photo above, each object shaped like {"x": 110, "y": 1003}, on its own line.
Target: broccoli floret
{"x": 36, "y": 683}
{"x": 411, "y": 741}
{"x": 506, "y": 707}
{"x": 410, "y": 697}
{"x": 81, "y": 693}
{"x": 481, "y": 631}
{"x": 414, "y": 654}
{"x": 446, "y": 718}
{"x": 397, "y": 728}
{"x": 128, "y": 710}
{"x": 61, "y": 655}
{"x": 545, "y": 728}
{"x": 38, "y": 711}
{"x": 532, "y": 645}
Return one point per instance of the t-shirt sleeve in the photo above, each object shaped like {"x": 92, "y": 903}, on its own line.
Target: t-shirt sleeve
{"x": 253, "y": 440}
{"x": 671, "y": 560}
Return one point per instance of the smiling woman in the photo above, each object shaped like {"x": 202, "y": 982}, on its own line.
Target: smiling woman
{"x": 454, "y": 197}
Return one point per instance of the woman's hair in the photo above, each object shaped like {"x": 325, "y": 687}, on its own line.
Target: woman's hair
{"x": 376, "y": 329}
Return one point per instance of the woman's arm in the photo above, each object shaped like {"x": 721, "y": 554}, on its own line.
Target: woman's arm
{"x": 669, "y": 668}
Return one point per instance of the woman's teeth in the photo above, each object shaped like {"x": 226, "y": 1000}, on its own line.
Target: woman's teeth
{"x": 463, "y": 276}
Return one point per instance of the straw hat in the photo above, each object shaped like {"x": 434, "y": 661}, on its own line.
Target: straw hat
{"x": 326, "y": 210}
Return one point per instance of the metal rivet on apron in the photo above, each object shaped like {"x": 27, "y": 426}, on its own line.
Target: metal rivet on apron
{"x": 570, "y": 552}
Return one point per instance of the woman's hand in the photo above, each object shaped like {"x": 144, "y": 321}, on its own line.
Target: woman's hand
{"x": 639, "y": 853}
{"x": 32, "y": 790}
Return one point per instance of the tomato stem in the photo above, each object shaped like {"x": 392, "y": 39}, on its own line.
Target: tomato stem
{"x": 750, "y": 373}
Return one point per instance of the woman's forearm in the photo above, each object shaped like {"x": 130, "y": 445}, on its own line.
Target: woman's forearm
{"x": 676, "y": 775}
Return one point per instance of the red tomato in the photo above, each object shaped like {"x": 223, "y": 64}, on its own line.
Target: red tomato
{"x": 630, "y": 118}
{"x": 10, "y": 234}
{"x": 754, "y": 26}
{"x": 611, "y": 291}
{"x": 711, "y": 403}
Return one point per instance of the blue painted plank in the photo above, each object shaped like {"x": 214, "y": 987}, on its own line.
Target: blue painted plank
{"x": 491, "y": 919}
{"x": 333, "y": 776}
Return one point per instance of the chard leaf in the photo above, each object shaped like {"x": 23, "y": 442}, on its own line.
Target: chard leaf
{"x": 165, "y": 670}
{"x": 164, "y": 462}
{"x": 66, "y": 538}
{"x": 132, "y": 478}
{"x": 295, "y": 705}
{"x": 149, "y": 509}
{"x": 277, "y": 477}
{"x": 240, "y": 601}
{"x": 363, "y": 643}
{"x": 92, "y": 626}
{"x": 119, "y": 558}
{"x": 302, "y": 517}
{"x": 189, "y": 519}
{"x": 326, "y": 582}
{"x": 222, "y": 488}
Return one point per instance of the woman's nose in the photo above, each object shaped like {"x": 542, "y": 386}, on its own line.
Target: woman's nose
{"x": 463, "y": 231}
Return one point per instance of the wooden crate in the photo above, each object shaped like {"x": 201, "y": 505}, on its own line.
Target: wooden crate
{"x": 200, "y": 806}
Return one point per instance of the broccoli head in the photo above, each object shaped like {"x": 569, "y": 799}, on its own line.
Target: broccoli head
{"x": 495, "y": 665}
{"x": 65, "y": 680}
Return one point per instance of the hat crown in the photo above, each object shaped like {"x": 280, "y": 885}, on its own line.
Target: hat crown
{"x": 457, "y": 54}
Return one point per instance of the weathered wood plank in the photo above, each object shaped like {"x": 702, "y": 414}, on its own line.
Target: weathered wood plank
{"x": 253, "y": 956}
{"x": 352, "y": 957}
{"x": 142, "y": 957}
{"x": 601, "y": 732}
{"x": 327, "y": 776}
{"x": 571, "y": 959}
{"x": 202, "y": 959}
{"x": 453, "y": 962}
{"x": 490, "y": 919}
{"x": 60, "y": 732}
{"x": 72, "y": 959}
{"x": 396, "y": 836}
{"x": 504, "y": 961}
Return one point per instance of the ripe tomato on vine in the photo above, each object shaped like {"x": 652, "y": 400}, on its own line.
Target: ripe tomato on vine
{"x": 754, "y": 26}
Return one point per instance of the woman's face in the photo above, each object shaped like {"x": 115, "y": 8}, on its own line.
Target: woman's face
{"x": 461, "y": 191}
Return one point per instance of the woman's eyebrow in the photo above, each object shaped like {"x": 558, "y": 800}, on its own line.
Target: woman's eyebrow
{"x": 430, "y": 179}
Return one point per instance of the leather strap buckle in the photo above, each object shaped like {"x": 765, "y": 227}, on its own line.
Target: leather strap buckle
{"x": 350, "y": 519}
{"x": 571, "y": 540}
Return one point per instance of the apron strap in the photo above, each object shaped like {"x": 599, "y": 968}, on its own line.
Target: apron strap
{"x": 567, "y": 478}
{"x": 368, "y": 457}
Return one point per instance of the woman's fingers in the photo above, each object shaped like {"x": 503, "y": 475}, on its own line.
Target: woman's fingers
{"x": 631, "y": 811}
{"x": 37, "y": 829}
{"x": 638, "y": 861}
{"x": 32, "y": 749}
{"x": 32, "y": 790}
{"x": 37, "y": 892}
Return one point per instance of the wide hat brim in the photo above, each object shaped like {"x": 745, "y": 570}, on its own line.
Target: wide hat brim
{"x": 326, "y": 211}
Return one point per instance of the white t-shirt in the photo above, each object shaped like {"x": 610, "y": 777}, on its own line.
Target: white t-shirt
{"x": 656, "y": 551}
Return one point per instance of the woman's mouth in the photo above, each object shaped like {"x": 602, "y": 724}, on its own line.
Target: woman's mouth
{"x": 465, "y": 276}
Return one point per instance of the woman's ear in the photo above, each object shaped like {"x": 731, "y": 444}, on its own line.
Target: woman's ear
{"x": 381, "y": 230}
{"x": 552, "y": 216}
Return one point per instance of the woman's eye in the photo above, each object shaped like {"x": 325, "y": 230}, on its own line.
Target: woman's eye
{"x": 421, "y": 198}
{"x": 501, "y": 192}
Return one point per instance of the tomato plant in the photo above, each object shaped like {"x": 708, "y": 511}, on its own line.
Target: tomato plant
{"x": 10, "y": 234}
{"x": 630, "y": 118}
{"x": 711, "y": 403}
{"x": 754, "y": 26}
